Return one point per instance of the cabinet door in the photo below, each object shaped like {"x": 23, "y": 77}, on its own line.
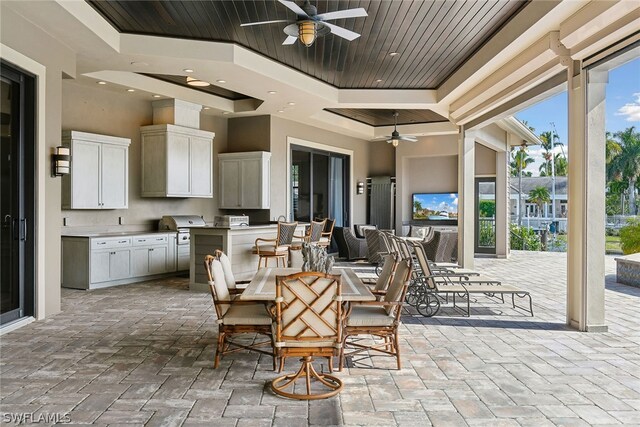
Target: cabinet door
{"x": 230, "y": 184}
{"x": 119, "y": 264}
{"x": 113, "y": 172}
{"x": 178, "y": 169}
{"x": 140, "y": 261}
{"x": 201, "y": 167}
{"x": 157, "y": 259}
{"x": 251, "y": 177}
{"x": 85, "y": 175}
{"x": 172, "y": 255}
{"x": 100, "y": 266}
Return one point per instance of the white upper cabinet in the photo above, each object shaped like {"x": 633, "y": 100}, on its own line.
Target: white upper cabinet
{"x": 99, "y": 175}
{"x": 244, "y": 180}
{"x": 176, "y": 161}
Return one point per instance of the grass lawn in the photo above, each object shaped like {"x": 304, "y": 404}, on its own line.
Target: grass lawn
{"x": 612, "y": 244}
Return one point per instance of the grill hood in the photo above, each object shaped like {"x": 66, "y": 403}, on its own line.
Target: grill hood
{"x": 176, "y": 222}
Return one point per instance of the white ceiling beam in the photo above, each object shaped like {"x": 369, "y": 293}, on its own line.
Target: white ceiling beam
{"x": 607, "y": 36}
{"x": 90, "y": 18}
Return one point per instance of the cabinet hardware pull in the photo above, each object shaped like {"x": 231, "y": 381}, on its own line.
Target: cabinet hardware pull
{"x": 122, "y": 241}
{"x": 102, "y": 243}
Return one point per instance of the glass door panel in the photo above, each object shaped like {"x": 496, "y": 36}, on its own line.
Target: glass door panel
{"x": 485, "y": 229}
{"x": 301, "y": 185}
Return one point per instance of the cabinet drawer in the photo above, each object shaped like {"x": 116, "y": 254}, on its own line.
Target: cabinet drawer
{"x": 161, "y": 239}
{"x": 111, "y": 242}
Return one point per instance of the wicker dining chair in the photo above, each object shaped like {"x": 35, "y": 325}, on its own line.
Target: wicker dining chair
{"x": 327, "y": 233}
{"x": 235, "y": 286}
{"x": 377, "y": 318}
{"x": 308, "y": 324}
{"x": 277, "y": 248}
{"x": 236, "y": 316}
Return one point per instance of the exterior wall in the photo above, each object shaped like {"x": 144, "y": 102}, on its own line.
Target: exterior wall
{"x": 30, "y": 48}
{"x": 382, "y": 159}
{"x": 485, "y": 161}
{"x": 249, "y": 134}
{"x": 102, "y": 111}
{"x": 281, "y": 129}
{"x": 429, "y": 165}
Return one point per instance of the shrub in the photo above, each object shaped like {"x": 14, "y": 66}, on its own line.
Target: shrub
{"x": 630, "y": 236}
{"x": 524, "y": 238}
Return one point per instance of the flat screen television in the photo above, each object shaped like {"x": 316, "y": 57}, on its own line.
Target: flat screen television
{"x": 435, "y": 207}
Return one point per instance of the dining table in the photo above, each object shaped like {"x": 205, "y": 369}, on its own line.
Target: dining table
{"x": 263, "y": 285}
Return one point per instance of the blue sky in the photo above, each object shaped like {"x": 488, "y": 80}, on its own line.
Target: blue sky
{"x": 623, "y": 108}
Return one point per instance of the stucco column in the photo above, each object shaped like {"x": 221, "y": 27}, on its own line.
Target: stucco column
{"x": 586, "y": 207}
{"x": 466, "y": 197}
{"x": 502, "y": 203}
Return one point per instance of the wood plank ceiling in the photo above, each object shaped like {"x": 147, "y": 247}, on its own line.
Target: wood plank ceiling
{"x": 432, "y": 38}
{"x": 381, "y": 117}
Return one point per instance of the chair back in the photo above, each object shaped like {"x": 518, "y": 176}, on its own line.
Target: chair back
{"x": 398, "y": 287}
{"x": 217, "y": 285}
{"x": 376, "y": 247}
{"x": 286, "y": 231}
{"x": 390, "y": 262}
{"x": 423, "y": 263}
{"x": 315, "y": 231}
{"x": 308, "y": 310}
{"x": 328, "y": 227}
{"x": 403, "y": 247}
{"x": 359, "y": 229}
{"x": 226, "y": 268}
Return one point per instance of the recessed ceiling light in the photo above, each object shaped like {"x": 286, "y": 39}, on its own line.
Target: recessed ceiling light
{"x": 188, "y": 70}
{"x": 280, "y": 111}
{"x": 157, "y": 96}
{"x": 226, "y": 113}
{"x": 221, "y": 81}
{"x": 393, "y": 53}
{"x": 379, "y": 81}
{"x": 272, "y": 92}
{"x": 102, "y": 83}
{"x": 206, "y": 108}
{"x": 192, "y": 81}
{"x": 291, "y": 103}
{"x": 131, "y": 90}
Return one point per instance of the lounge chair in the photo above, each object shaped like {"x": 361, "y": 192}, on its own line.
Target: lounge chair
{"x": 430, "y": 287}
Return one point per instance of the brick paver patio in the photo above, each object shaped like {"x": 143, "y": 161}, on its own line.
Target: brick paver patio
{"x": 142, "y": 354}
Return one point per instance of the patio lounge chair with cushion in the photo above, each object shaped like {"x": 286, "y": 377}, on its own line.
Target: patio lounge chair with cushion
{"x": 376, "y": 245}
{"x": 359, "y": 229}
{"x": 378, "y": 318}
{"x": 235, "y": 316}
{"x": 308, "y": 323}
{"x": 431, "y": 286}
{"x": 442, "y": 246}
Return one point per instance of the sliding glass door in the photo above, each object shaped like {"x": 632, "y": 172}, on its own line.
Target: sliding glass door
{"x": 17, "y": 170}
{"x": 319, "y": 185}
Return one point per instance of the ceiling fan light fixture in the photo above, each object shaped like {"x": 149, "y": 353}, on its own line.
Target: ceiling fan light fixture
{"x": 192, "y": 81}
{"x": 395, "y": 138}
{"x": 307, "y": 32}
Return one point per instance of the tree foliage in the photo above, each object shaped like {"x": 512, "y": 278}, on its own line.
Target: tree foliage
{"x": 539, "y": 196}
{"x": 623, "y": 161}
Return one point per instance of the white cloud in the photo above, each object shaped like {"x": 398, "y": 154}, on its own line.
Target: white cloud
{"x": 631, "y": 110}
{"x": 455, "y": 202}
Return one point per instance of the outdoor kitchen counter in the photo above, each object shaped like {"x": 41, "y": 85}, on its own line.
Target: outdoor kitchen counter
{"x": 236, "y": 242}
{"x": 113, "y": 233}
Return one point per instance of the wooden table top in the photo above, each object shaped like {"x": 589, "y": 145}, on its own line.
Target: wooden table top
{"x": 263, "y": 285}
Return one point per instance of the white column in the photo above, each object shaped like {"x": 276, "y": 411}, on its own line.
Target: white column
{"x": 466, "y": 198}
{"x": 586, "y": 207}
{"x": 502, "y": 203}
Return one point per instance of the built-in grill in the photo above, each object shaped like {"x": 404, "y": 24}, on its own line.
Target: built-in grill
{"x": 181, "y": 225}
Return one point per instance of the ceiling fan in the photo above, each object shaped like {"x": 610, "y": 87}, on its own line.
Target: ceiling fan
{"x": 395, "y": 137}
{"x": 309, "y": 25}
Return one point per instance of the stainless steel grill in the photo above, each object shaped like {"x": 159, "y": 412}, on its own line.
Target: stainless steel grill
{"x": 181, "y": 225}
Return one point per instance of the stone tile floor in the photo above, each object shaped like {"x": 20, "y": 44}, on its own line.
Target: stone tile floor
{"x": 142, "y": 354}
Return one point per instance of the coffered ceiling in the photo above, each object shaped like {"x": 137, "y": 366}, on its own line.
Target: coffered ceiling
{"x": 384, "y": 117}
{"x": 430, "y": 39}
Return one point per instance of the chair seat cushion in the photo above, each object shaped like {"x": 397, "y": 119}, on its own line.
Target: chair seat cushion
{"x": 249, "y": 314}
{"x": 363, "y": 315}
{"x": 271, "y": 250}
{"x": 323, "y": 240}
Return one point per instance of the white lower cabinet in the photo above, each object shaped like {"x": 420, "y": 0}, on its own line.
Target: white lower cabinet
{"x": 96, "y": 262}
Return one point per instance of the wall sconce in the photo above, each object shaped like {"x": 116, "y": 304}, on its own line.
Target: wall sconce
{"x": 360, "y": 188}
{"x": 60, "y": 161}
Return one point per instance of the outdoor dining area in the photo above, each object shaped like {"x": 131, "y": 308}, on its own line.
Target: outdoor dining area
{"x": 309, "y": 308}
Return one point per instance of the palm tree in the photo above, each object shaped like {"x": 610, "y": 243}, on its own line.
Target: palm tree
{"x": 561, "y": 165}
{"x": 520, "y": 160}
{"x": 625, "y": 165}
{"x": 547, "y": 143}
{"x": 539, "y": 196}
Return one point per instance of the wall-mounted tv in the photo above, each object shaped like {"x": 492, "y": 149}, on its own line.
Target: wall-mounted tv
{"x": 435, "y": 207}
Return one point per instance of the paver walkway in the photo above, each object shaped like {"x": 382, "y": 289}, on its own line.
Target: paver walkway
{"x": 142, "y": 354}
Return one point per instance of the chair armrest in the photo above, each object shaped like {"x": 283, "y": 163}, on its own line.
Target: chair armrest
{"x": 380, "y": 292}
{"x": 235, "y": 291}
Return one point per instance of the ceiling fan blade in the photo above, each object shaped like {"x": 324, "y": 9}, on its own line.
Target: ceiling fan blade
{"x": 294, "y": 7}
{"x": 349, "y": 13}
{"x": 342, "y": 32}
{"x": 289, "y": 40}
{"x": 264, "y": 22}
{"x": 408, "y": 138}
